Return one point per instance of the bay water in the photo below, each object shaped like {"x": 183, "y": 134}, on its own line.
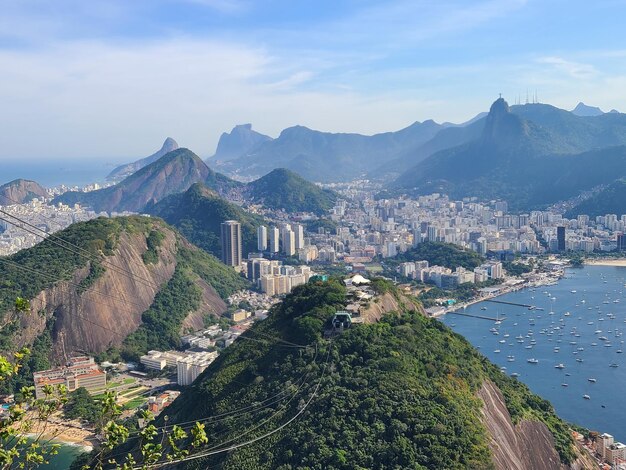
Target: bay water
{"x": 577, "y": 336}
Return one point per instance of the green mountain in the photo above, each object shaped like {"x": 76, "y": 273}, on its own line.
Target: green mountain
{"x": 125, "y": 285}
{"x": 21, "y": 191}
{"x": 198, "y": 213}
{"x": 442, "y": 254}
{"x": 173, "y": 173}
{"x": 525, "y": 163}
{"x": 324, "y": 156}
{"x": 611, "y": 200}
{"x": 401, "y": 392}
{"x": 284, "y": 189}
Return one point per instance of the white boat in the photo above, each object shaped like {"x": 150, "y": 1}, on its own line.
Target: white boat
{"x": 614, "y": 365}
{"x": 586, "y": 397}
{"x": 514, "y": 374}
{"x": 559, "y": 366}
{"x": 532, "y": 360}
{"x": 592, "y": 380}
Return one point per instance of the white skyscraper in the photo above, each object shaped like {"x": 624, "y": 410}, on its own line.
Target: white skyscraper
{"x": 299, "y": 233}
{"x": 289, "y": 242}
{"x": 274, "y": 240}
{"x": 261, "y": 234}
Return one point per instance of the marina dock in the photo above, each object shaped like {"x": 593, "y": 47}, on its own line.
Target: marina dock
{"x": 482, "y": 317}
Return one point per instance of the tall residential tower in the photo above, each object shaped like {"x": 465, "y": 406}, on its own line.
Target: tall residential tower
{"x": 231, "y": 243}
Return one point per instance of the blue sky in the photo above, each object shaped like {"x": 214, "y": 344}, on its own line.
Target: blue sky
{"x": 109, "y": 80}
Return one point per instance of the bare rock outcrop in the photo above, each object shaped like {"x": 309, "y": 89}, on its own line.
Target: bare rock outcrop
{"x": 210, "y": 303}
{"x": 387, "y": 303}
{"x": 21, "y": 191}
{"x": 529, "y": 445}
{"x": 105, "y": 313}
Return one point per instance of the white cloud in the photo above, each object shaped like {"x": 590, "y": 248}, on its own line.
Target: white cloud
{"x": 571, "y": 69}
{"x": 95, "y": 99}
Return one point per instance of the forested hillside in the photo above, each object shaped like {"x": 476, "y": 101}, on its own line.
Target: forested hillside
{"x": 400, "y": 393}
{"x": 93, "y": 284}
{"x": 198, "y": 214}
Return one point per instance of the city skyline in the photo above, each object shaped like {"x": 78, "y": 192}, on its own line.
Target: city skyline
{"x": 112, "y": 80}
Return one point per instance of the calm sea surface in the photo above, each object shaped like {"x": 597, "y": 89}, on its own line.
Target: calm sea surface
{"x": 52, "y": 172}
{"x": 583, "y": 333}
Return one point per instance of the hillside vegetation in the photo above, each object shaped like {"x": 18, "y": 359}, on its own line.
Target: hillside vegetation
{"x": 136, "y": 276}
{"x": 441, "y": 254}
{"x": 611, "y": 200}
{"x": 198, "y": 214}
{"x": 400, "y": 393}
{"x": 284, "y": 189}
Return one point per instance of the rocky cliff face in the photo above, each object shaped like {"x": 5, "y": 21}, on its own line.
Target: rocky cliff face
{"x": 525, "y": 446}
{"x": 20, "y": 191}
{"x": 102, "y": 315}
{"x": 241, "y": 140}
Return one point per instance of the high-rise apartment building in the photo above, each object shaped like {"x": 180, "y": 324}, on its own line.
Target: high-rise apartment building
{"x": 560, "y": 238}
{"x": 274, "y": 240}
{"x": 231, "y": 243}
{"x": 289, "y": 242}
{"x": 298, "y": 231}
{"x": 261, "y": 235}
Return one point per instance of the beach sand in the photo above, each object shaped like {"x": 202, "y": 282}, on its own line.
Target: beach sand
{"x": 66, "y": 433}
{"x": 620, "y": 262}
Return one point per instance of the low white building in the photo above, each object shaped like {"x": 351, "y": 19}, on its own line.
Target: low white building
{"x": 189, "y": 368}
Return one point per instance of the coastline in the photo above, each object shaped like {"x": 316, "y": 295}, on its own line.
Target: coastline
{"x": 617, "y": 262}
{"x": 543, "y": 281}
{"x": 66, "y": 434}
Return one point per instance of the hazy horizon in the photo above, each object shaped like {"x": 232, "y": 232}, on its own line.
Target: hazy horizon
{"x": 115, "y": 78}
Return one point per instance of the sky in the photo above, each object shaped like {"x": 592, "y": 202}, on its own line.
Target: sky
{"x": 109, "y": 80}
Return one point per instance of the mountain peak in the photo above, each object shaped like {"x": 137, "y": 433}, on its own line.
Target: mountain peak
{"x": 239, "y": 141}
{"x": 583, "y": 110}
{"x": 502, "y": 126}
{"x": 169, "y": 144}
{"x": 128, "y": 169}
{"x": 499, "y": 106}
{"x": 20, "y": 191}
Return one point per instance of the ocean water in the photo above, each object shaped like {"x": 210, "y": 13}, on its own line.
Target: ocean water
{"x": 581, "y": 326}
{"x": 54, "y": 172}
{"x": 65, "y": 457}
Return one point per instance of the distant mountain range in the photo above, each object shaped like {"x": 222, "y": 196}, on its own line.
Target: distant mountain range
{"x": 21, "y": 191}
{"x": 582, "y": 109}
{"x": 530, "y": 155}
{"x": 322, "y": 156}
{"x": 128, "y": 169}
{"x": 198, "y": 214}
{"x": 173, "y": 173}
{"x": 179, "y": 170}
{"x": 328, "y": 157}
